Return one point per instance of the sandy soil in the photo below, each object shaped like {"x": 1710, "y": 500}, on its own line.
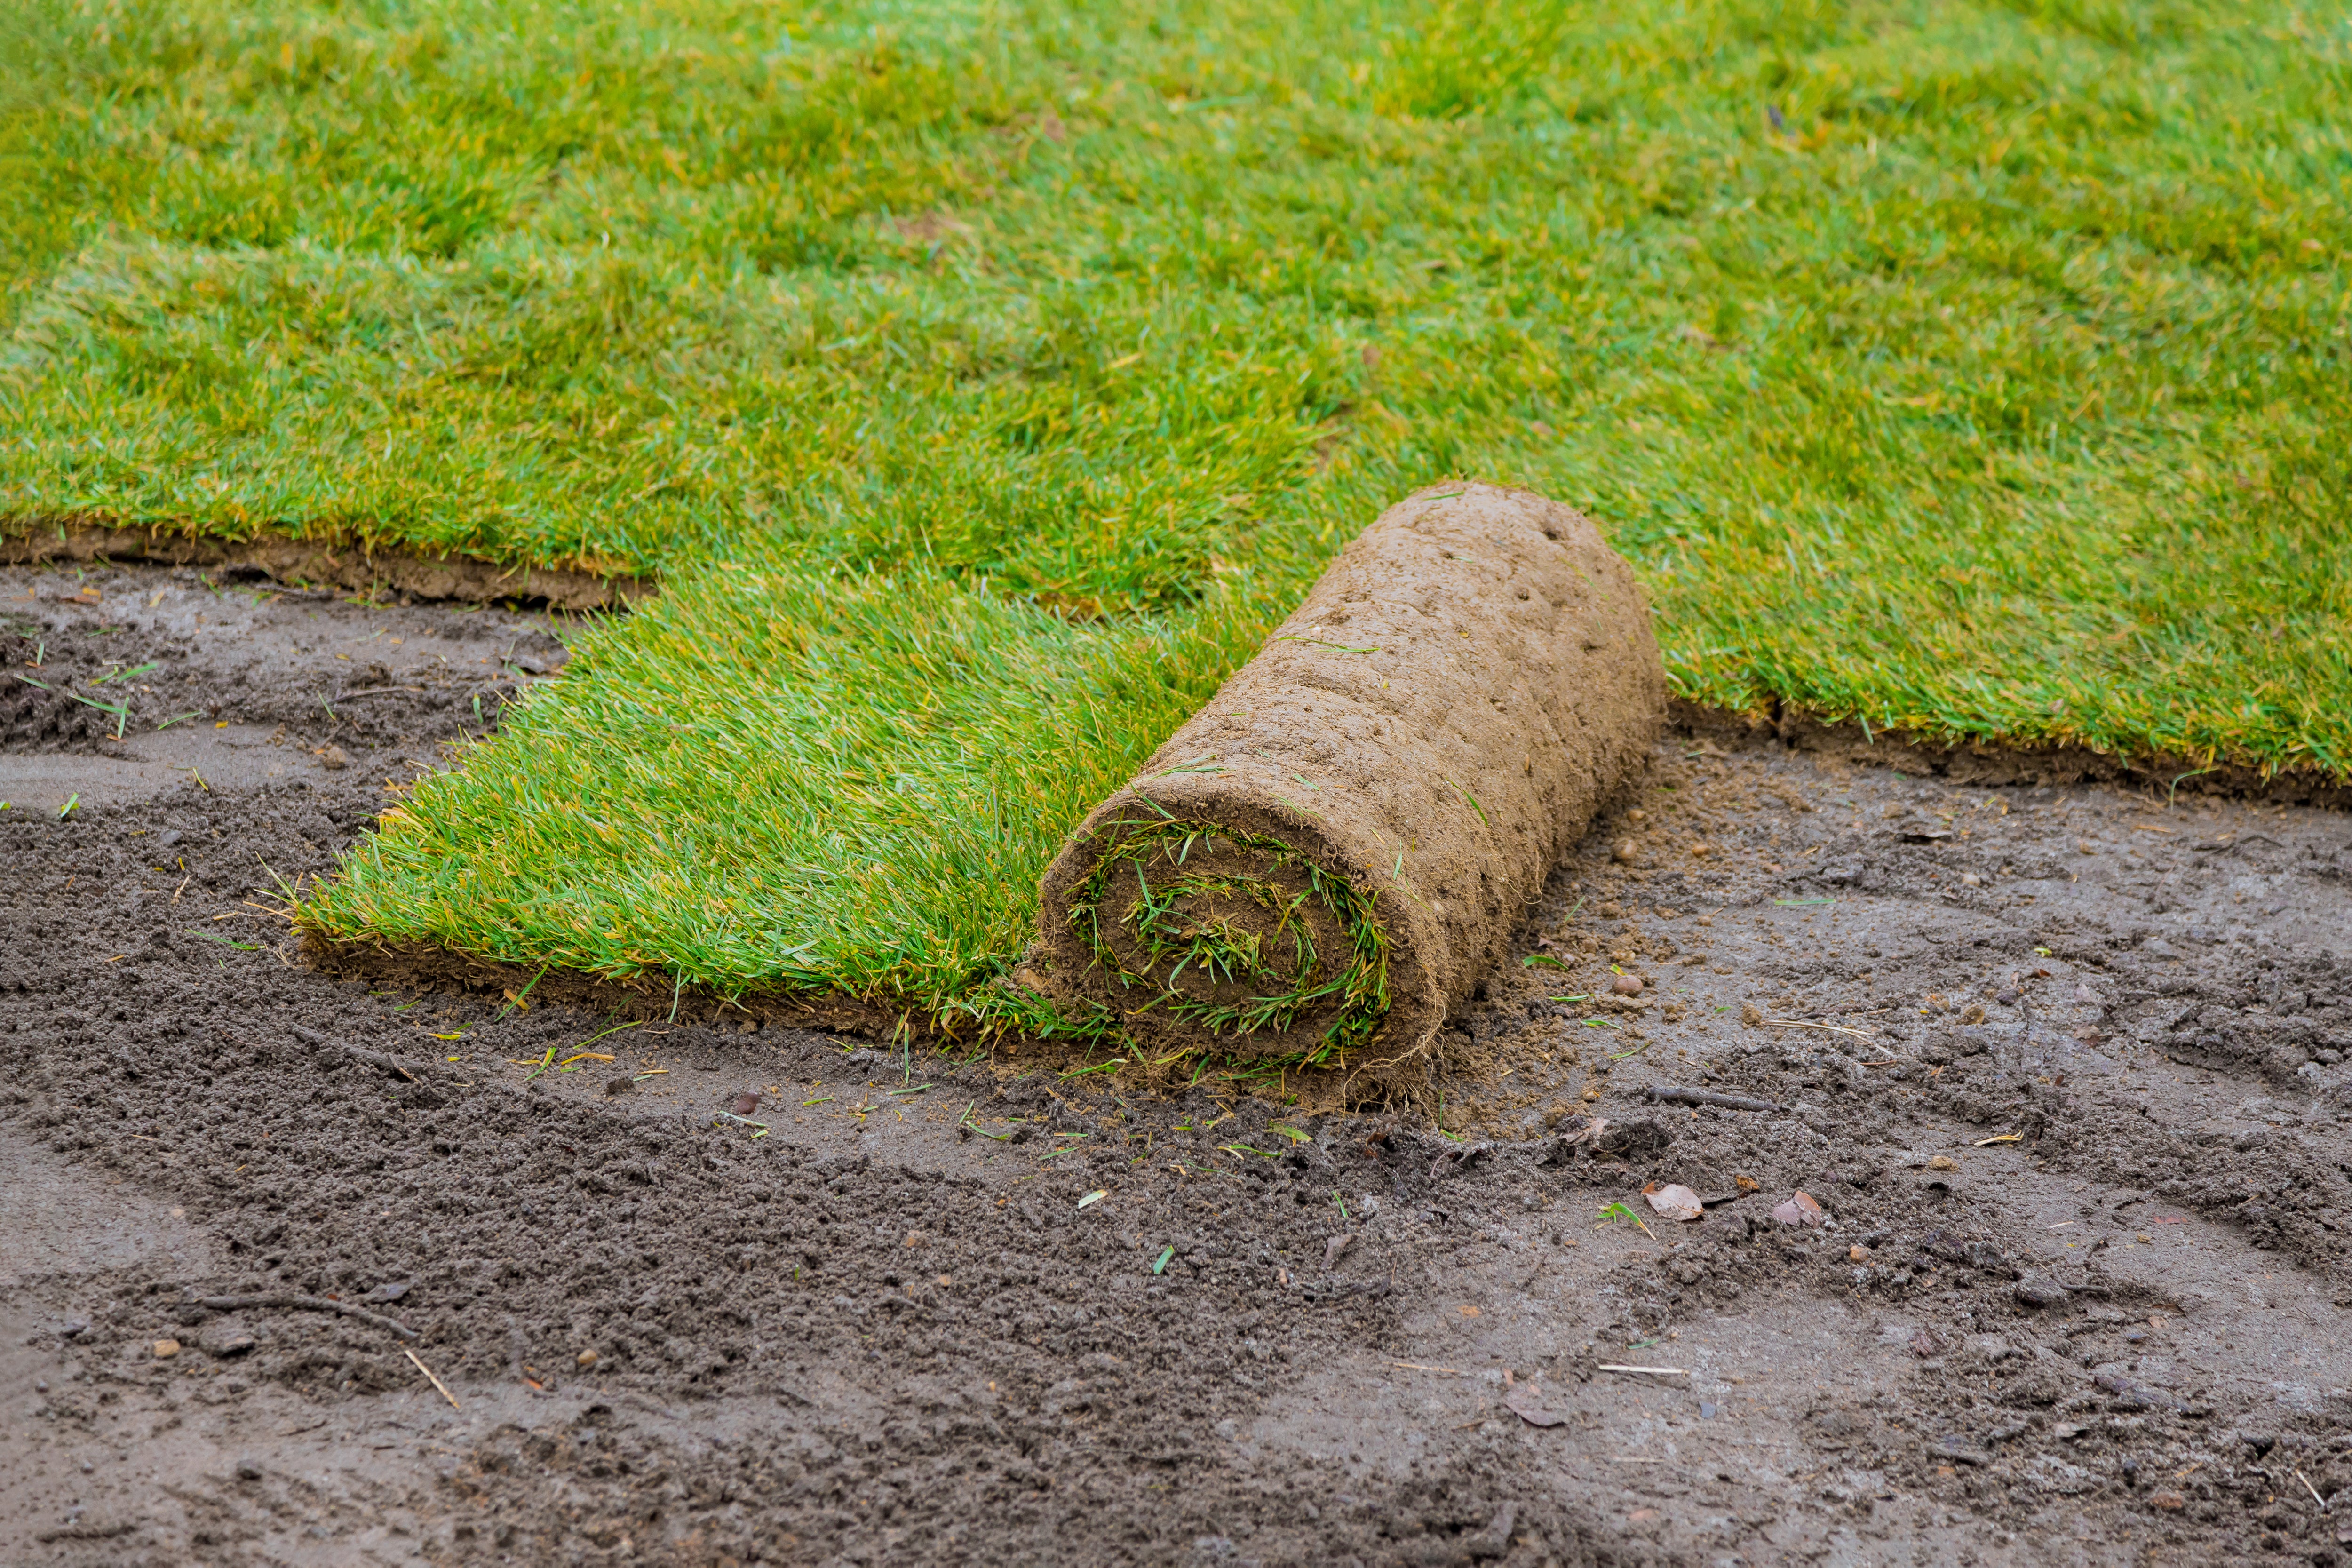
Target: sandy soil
{"x": 861, "y": 1326}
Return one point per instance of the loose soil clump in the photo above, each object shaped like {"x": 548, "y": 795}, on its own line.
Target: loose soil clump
{"x": 2060, "y": 1070}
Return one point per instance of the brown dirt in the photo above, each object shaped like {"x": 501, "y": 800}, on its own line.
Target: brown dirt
{"x": 325, "y": 563}
{"x": 1467, "y": 684}
{"x": 1984, "y": 762}
{"x": 870, "y": 1336}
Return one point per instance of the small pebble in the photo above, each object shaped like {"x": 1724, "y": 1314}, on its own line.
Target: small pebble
{"x": 587, "y": 1358}
{"x": 166, "y": 1348}
{"x": 1943, "y": 1163}
{"x": 1624, "y": 852}
{"x": 1857, "y": 1253}
{"x": 746, "y": 1104}
{"x": 1626, "y": 985}
{"x": 334, "y": 759}
{"x": 2036, "y": 1291}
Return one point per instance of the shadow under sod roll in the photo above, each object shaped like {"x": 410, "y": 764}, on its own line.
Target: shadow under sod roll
{"x": 1325, "y": 860}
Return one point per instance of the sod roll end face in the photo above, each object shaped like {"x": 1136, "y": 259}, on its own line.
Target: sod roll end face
{"x": 1322, "y": 862}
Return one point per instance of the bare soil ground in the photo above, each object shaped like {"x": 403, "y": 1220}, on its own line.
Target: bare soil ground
{"x": 2061, "y": 1067}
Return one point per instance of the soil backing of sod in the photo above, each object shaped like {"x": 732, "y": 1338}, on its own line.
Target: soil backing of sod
{"x": 324, "y": 563}
{"x": 1327, "y": 860}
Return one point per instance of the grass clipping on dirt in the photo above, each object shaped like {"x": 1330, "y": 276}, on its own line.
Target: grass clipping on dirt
{"x": 984, "y": 383}
{"x": 1325, "y": 860}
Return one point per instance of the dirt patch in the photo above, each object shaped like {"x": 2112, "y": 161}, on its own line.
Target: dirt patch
{"x": 1982, "y": 762}
{"x": 120, "y": 682}
{"x": 837, "y": 1324}
{"x": 329, "y": 564}
{"x": 1329, "y": 857}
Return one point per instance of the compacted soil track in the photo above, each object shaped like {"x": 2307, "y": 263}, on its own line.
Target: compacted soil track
{"x": 2062, "y": 1071}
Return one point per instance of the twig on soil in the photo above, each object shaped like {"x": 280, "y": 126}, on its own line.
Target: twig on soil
{"x": 428, "y": 1373}
{"x": 2311, "y": 1489}
{"x": 1660, "y": 1371}
{"x": 308, "y": 1304}
{"x": 1416, "y": 1366}
{"x": 1802, "y": 1023}
{"x": 1670, "y": 1094}
{"x": 376, "y": 1059}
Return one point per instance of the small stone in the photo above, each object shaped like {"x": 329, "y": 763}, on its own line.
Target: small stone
{"x": 1943, "y": 1163}
{"x": 2171, "y": 1502}
{"x": 2144, "y": 1238}
{"x": 1857, "y": 1253}
{"x": 1750, "y": 1015}
{"x": 1626, "y": 985}
{"x": 334, "y": 759}
{"x": 224, "y": 1340}
{"x": 1970, "y": 879}
{"x": 247, "y": 1470}
{"x": 587, "y": 1358}
{"x": 745, "y": 1103}
{"x": 2035, "y": 1290}
{"x": 166, "y": 1348}
{"x": 1624, "y": 852}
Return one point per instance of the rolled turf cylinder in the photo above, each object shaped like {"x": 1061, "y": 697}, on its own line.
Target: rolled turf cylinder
{"x": 1324, "y": 861}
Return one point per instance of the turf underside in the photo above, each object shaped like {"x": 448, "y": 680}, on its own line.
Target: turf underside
{"x": 982, "y": 380}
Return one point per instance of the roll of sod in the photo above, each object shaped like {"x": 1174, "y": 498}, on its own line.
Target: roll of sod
{"x": 1324, "y": 861}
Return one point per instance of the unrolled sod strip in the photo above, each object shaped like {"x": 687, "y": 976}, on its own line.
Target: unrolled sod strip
{"x": 1322, "y": 863}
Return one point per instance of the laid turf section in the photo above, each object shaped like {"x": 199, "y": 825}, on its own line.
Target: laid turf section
{"x": 1981, "y": 370}
{"x": 843, "y": 784}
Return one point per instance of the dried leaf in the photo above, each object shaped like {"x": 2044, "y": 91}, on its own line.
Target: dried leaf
{"x": 1799, "y": 1210}
{"x": 1527, "y": 1400}
{"x": 1674, "y": 1202}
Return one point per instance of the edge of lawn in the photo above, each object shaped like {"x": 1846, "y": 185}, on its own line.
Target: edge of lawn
{"x": 321, "y": 561}
{"x": 655, "y": 997}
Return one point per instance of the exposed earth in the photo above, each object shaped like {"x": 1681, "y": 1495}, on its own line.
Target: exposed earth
{"x": 2059, "y": 1070}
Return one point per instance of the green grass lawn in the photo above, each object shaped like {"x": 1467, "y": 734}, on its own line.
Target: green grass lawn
{"x": 981, "y": 380}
